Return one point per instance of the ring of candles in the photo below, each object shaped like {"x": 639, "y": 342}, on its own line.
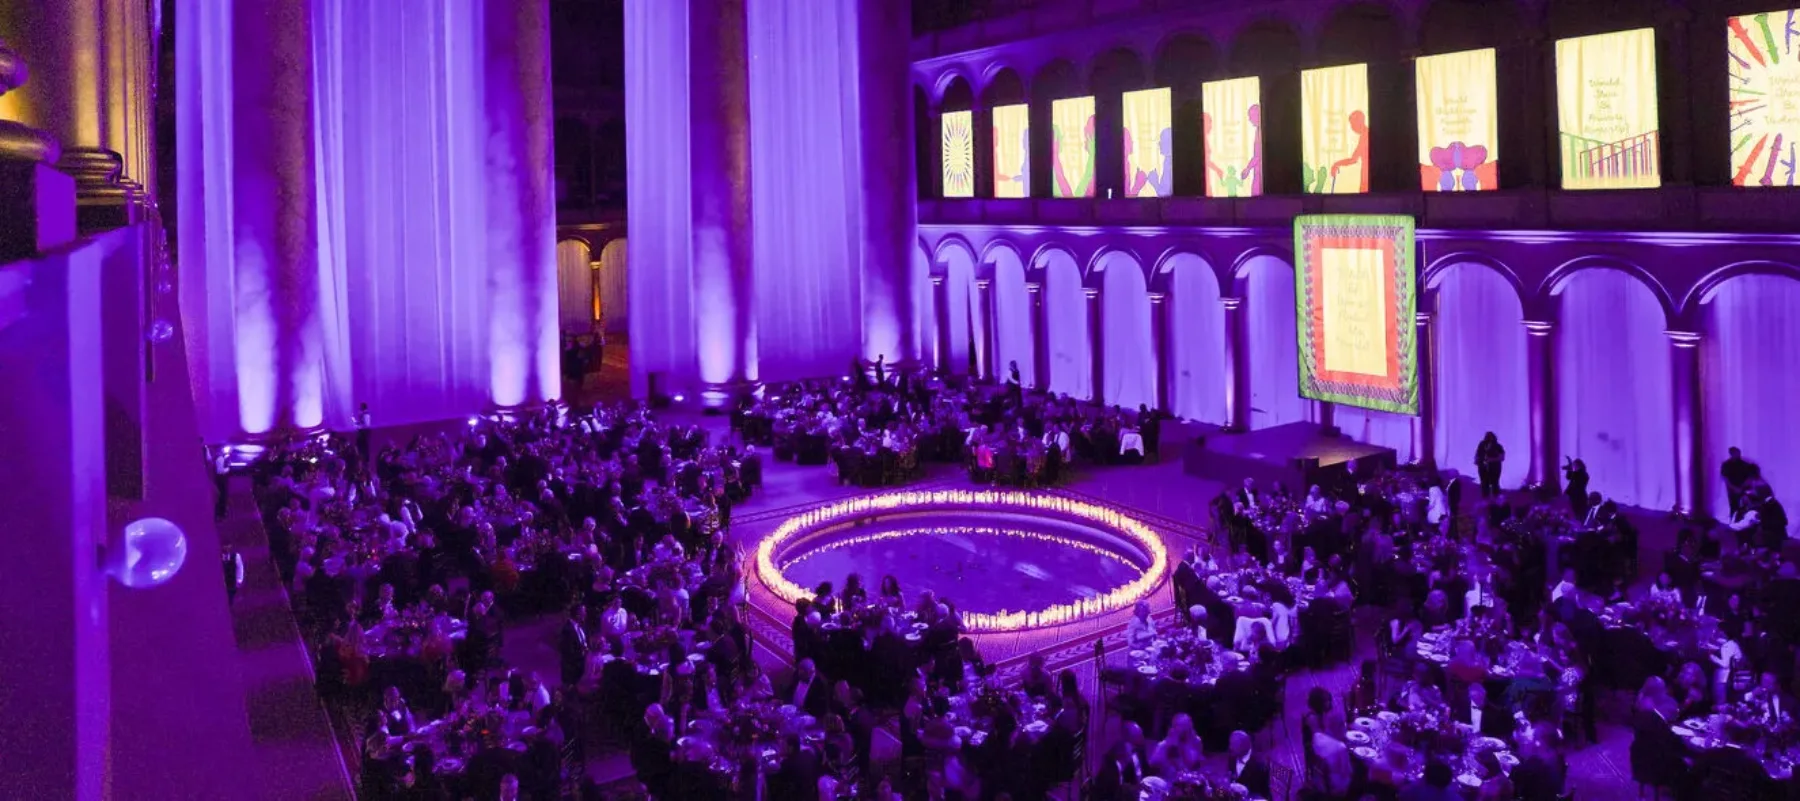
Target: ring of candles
{"x": 801, "y": 526}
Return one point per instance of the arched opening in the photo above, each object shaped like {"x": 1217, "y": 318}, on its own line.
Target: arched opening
{"x": 613, "y": 288}
{"x": 1274, "y": 359}
{"x": 964, "y": 319}
{"x": 1183, "y": 63}
{"x": 1614, "y": 399}
{"x": 575, "y": 312}
{"x": 1197, "y": 340}
{"x": 1268, "y": 49}
{"x": 1114, "y": 73}
{"x": 1750, "y": 364}
{"x": 1065, "y": 315}
{"x": 1482, "y": 384}
{"x": 1055, "y": 81}
{"x": 1129, "y": 366}
{"x": 956, "y": 139}
{"x": 1009, "y": 155}
{"x": 1012, "y": 317}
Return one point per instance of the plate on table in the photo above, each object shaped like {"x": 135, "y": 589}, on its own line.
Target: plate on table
{"x": 1365, "y": 723}
{"x": 964, "y": 732}
{"x": 1489, "y": 743}
{"x": 1694, "y": 723}
{"x": 1357, "y": 737}
{"x": 450, "y": 765}
{"x": 1037, "y": 726}
{"x": 1699, "y": 742}
{"x": 1682, "y": 731}
{"x": 1234, "y": 600}
{"x": 1364, "y": 752}
{"x": 1440, "y": 658}
{"x": 1387, "y": 716}
{"x": 1469, "y": 780}
{"x": 913, "y": 637}
{"x": 1148, "y": 670}
{"x": 1140, "y": 654}
{"x": 696, "y": 657}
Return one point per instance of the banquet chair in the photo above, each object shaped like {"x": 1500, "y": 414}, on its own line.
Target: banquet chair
{"x": 1281, "y": 782}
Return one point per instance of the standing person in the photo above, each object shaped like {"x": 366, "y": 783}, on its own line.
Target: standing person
{"x": 573, "y": 647}
{"x": 1575, "y": 485}
{"x": 363, "y": 423}
{"x": 1489, "y": 456}
{"x": 221, "y": 483}
{"x": 1737, "y": 472}
{"x": 233, "y": 565}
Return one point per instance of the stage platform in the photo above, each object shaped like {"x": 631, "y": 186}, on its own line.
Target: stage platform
{"x": 1296, "y": 454}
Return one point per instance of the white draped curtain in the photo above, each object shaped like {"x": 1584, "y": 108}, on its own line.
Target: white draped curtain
{"x": 660, "y": 214}
{"x": 1197, "y": 342}
{"x": 959, "y": 295}
{"x": 1482, "y": 381}
{"x": 1065, "y": 314}
{"x": 1750, "y": 365}
{"x": 1130, "y": 363}
{"x": 1384, "y": 429}
{"x": 574, "y": 287}
{"x": 1274, "y": 362}
{"x": 925, "y": 304}
{"x": 806, "y": 184}
{"x": 1012, "y": 318}
{"x": 615, "y": 287}
{"x": 1612, "y": 369}
{"x": 401, "y": 146}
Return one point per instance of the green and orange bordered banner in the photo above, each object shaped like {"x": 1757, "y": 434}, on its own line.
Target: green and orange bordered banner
{"x": 1356, "y": 272}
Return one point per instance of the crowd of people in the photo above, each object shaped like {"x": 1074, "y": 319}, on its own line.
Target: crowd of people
{"x": 1497, "y": 624}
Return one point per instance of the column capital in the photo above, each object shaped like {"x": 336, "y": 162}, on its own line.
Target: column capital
{"x": 937, "y": 280}
{"x": 1232, "y": 303}
{"x": 1539, "y": 328}
{"x": 1091, "y": 292}
{"x": 984, "y": 283}
{"x": 1683, "y": 339}
{"x": 1157, "y": 298}
{"x": 1422, "y": 318}
{"x": 1034, "y": 287}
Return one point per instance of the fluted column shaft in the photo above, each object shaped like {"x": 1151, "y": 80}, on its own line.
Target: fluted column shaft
{"x": 1040, "y": 338}
{"x": 940, "y": 312}
{"x": 1237, "y": 366}
{"x": 1425, "y": 424}
{"x": 889, "y": 183}
{"x": 1096, "y": 331}
{"x": 1540, "y": 342}
{"x": 523, "y": 359}
{"x": 1159, "y": 339}
{"x": 721, "y": 244}
{"x": 984, "y": 328}
{"x": 1684, "y": 379}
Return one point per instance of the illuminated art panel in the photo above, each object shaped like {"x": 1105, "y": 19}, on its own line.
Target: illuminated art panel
{"x": 1606, "y": 111}
{"x": 1334, "y": 136}
{"x": 1231, "y": 121}
{"x": 1072, "y": 146}
{"x": 958, "y": 129}
{"x": 1765, "y": 97}
{"x": 1459, "y": 122}
{"x": 1354, "y": 302}
{"x": 1012, "y": 151}
{"x": 1149, "y": 144}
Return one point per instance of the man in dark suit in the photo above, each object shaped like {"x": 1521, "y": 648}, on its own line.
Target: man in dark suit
{"x": 1487, "y": 719}
{"x": 1185, "y": 576}
{"x": 1246, "y": 767}
{"x": 1125, "y": 765}
{"x": 807, "y": 691}
{"x": 573, "y": 646}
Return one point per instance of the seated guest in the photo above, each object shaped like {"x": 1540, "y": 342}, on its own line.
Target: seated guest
{"x": 1197, "y": 621}
{"x": 890, "y": 593}
{"x": 1770, "y": 700}
{"x": 1664, "y": 589}
{"x": 395, "y": 714}
{"x": 1435, "y": 786}
{"x": 1468, "y": 665}
{"x": 1486, "y": 719}
{"x": 807, "y": 691}
{"x": 1124, "y": 767}
{"x": 1690, "y": 692}
{"x": 1246, "y": 767}
{"x": 1564, "y": 587}
{"x": 1180, "y": 752}
{"x": 1331, "y": 769}
{"x": 1140, "y": 630}
{"x": 1654, "y": 697}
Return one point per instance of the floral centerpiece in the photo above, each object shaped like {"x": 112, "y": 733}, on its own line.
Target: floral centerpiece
{"x": 1431, "y": 732}
{"x": 1199, "y": 787}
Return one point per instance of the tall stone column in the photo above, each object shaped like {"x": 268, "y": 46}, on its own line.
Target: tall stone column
{"x": 37, "y": 203}
{"x": 274, "y": 278}
{"x": 1159, "y": 339}
{"x": 1237, "y": 366}
{"x": 1096, "y": 331}
{"x": 1040, "y": 337}
{"x": 940, "y": 313}
{"x": 984, "y": 329}
{"x": 1684, "y": 379}
{"x": 1540, "y": 352}
{"x": 524, "y": 360}
{"x": 64, "y": 41}
{"x": 1425, "y": 424}
{"x": 890, "y": 192}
